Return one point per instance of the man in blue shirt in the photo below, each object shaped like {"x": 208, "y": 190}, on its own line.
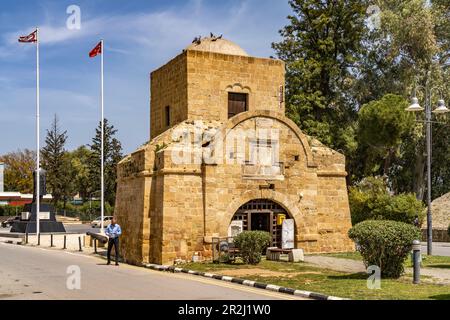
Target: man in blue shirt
{"x": 113, "y": 232}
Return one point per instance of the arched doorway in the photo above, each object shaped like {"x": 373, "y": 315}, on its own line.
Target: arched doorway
{"x": 264, "y": 215}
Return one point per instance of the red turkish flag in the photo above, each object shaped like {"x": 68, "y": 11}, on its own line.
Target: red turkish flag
{"x": 97, "y": 50}
{"x": 32, "y": 37}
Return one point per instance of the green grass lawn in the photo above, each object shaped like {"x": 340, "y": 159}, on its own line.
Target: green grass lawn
{"x": 305, "y": 277}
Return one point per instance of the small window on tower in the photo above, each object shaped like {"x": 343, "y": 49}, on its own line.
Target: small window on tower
{"x": 167, "y": 116}
{"x": 237, "y": 103}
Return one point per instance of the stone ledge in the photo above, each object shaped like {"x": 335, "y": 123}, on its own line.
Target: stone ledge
{"x": 332, "y": 173}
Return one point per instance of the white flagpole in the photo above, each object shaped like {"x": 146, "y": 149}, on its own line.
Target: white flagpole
{"x": 102, "y": 145}
{"x": 38, "y": 207}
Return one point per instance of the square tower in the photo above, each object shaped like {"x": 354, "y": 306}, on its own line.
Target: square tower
{"x": 213, "y": 79}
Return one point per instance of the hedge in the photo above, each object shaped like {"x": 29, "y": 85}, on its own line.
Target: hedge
{"x": 10, "y": 210}
{"x": 251, "y": 244}
{"x": 384, "y": 243}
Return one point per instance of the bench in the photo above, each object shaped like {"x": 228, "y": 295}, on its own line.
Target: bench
{"x": 294, "y": 255}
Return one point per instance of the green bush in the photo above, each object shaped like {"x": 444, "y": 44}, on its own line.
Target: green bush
{"x": 384, "y": 243}
{"x": 87, "y": 211}
{"x": 370, "y": 200}
{"x": 251, "y": 245}
{"x": 10, "y": 210}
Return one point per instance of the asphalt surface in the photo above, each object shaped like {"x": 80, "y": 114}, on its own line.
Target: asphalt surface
{"x": 38, "y": 273}
{"x": 438, "y": 248}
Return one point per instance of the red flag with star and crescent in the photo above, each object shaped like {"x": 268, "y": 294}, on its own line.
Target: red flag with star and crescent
{"x": 32, "y": 37}
{"x": 97, "y": 50}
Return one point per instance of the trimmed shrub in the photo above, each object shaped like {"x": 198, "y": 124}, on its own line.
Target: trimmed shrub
{"x": 370, "y": 200}
{"x": 251, "y": 244}
{"x": 8, "y": 210}
{"x": 384, "y": 243}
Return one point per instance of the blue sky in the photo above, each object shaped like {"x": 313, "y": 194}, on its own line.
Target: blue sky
{"x": 140, "y": 35}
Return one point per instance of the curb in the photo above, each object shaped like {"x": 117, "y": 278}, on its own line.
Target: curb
{"x": 270, "y": 287}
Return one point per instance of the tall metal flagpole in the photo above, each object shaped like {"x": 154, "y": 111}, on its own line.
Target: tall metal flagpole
{"x": 428, "y": 142}
{"x": 38, "y": 158}
{"x": 102, "y": 144}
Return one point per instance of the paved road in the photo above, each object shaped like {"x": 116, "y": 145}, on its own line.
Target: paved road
{"x": 439, "y": 248}
{"x": 38, "y": 273}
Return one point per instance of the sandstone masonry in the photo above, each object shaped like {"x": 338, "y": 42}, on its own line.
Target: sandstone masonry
{"x": 171, "y": 210}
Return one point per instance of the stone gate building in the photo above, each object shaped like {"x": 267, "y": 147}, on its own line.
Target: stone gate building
{"x": 214, "y": 109}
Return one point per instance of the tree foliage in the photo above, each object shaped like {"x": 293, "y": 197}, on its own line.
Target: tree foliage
{"x": 370, "y": 200}
{"x": 112, "y": 156}
{"x": 80, "y": 159}
{"x": 56, "y": 161}
{"x": 19, "y": 167}
{"x": 382, "y": 126}
{"x": 349, "y": 73}
{"x": 409, "y": 48}
{"x": 321, "y": 47}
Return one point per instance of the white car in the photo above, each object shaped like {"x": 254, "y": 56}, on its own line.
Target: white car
{"x": 98, "y": 221}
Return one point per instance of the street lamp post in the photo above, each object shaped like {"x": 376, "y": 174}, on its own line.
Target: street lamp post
{"x": 440, "y": 109}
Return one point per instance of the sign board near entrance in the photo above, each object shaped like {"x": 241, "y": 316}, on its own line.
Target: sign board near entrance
{"x": 235, "y": 227}
{"x": 287, "y": 234}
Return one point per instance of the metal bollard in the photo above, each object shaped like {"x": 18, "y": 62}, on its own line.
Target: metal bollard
{"x": 26, "y": 238}
{"x": 79, "y": 244}
{"x": 39, "y": 239}
{"x": 95, "y": 245}
{"x": 416, "y": 261}
{"x": 51, "y": 240}
{"x": 65, "y": 247}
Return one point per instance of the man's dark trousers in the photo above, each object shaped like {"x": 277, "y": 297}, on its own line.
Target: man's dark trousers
{"x": 113, "y": 242}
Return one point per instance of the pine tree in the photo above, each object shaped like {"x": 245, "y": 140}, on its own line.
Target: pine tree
{"x": 53, "y": 161}
{"x": 321, "y": 47}
{"x": 112, "y": 156}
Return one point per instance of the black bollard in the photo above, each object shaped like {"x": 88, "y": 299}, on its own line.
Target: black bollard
{"x": 416, "y": 261}
{"x": 65, "y": 247}
{"x": 95, "y": 245}
{"x": 51, "y": 240}
{"x": 26, "y": 238}
{"x": 39, "y": 239}
{"x": 79, "y": 244}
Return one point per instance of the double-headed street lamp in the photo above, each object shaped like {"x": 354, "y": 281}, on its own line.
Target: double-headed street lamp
{"x": 440, "y": 109}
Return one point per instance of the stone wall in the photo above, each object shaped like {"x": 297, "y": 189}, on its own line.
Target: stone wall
{"x": 212, "y": 75}
{"x": 169, "y": 210}
{"x": 195, "y": 85}
{"x": 168, "y": 88}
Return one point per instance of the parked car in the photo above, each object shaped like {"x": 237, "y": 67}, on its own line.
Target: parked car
{"x": 9, "y": 222}
{"x": 96, "y": 223}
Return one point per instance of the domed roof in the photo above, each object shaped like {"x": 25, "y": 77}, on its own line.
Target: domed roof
{"x": 218, "y": 45}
